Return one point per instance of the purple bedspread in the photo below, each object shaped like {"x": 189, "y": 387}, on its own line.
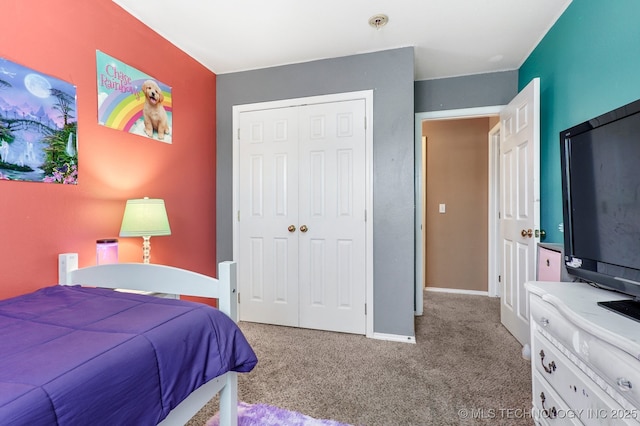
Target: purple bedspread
{"x": 85, "y": 356}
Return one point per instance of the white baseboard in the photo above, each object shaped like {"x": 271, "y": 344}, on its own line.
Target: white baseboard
{"x": 394, "y": 337}
{"x": 458, "y": 291}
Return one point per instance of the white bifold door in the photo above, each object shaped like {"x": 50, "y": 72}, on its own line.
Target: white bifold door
{"x": 301, "y": 198}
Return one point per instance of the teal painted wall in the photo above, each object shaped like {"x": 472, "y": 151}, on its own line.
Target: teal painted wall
{"x": 588, "y": 64}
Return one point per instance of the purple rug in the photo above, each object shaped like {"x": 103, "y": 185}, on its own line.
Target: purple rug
{"x": 268, "y": 415}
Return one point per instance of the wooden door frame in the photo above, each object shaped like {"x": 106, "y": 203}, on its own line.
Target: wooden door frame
{"x": 419, "y": 187}
{"x": 367, "y": 95}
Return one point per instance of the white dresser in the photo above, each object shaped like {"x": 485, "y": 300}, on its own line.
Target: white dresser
{"x": 585, "y": 360}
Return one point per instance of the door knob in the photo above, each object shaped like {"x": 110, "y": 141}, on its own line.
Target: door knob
{"x": 304, "y": 228}
{"x": 527, "y": 233}
{"x": 291, "y": 228}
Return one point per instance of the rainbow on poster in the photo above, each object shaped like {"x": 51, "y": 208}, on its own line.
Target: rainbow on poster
{"x": 121, "y": 99}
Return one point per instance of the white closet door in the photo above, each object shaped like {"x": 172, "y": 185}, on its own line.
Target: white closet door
{"x": 332, "y": 210}
{"x": 268, "y": 200}
{"x": 302, "y": 236}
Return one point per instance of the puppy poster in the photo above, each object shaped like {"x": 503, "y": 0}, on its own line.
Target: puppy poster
{"x": 132, "y": 101}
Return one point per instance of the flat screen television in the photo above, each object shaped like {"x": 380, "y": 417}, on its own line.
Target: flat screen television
{"x": 600, "y": 161}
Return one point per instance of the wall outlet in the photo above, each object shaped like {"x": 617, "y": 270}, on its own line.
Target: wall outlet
{"x": 67, "y": 262}
{"x": 442, "y": 208}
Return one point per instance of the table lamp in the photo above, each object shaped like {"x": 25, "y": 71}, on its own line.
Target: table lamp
{"x": 145, "y": 217}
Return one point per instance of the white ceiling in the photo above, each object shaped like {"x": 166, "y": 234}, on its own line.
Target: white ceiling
{"x": 450, "y": 37}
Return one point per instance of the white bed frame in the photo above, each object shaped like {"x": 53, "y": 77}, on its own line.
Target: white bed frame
{"x": 167, "y": 279}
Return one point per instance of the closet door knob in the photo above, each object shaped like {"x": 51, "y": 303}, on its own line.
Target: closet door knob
{"x": 291, "y": 228}
{"x": 304, "y": 228}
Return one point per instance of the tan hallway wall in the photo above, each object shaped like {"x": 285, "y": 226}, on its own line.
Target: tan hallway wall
{"x": 457, "y": 176}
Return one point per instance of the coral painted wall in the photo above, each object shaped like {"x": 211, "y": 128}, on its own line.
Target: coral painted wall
{"x": 40, "y": 220}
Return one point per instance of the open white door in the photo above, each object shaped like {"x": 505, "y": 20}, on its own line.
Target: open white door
{"x": 519, "y": 206}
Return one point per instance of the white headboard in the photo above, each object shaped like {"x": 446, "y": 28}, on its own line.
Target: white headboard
{"x": 155, "y": 278}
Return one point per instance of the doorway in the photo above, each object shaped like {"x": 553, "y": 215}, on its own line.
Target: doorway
{"x": 519, "y": 193}
{"x": 491, "y": 111}
{"x": 456, "y": 206}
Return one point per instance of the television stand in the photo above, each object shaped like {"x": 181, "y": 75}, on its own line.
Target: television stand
{"x": 629, "y": 308}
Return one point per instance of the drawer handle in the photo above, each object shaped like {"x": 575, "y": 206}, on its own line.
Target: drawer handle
{"x": 552, "y": 365}
{"x": 551, "y": 413}
{"x": 624, "y": 384}
{"x": 544, "y": 321}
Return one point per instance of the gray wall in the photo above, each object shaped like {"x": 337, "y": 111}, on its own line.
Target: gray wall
{"x": 390, "y": 74}
{"x": 466, "y": 92}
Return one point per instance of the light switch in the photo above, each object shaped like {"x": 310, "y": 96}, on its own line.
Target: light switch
{"x": 441, "y": 208}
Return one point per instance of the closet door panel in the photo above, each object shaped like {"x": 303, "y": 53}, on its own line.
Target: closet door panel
{"x": 332, "y": 210}
{"x": 268, "y": 200}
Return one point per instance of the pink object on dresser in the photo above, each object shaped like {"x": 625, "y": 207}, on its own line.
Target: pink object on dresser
{"x": 549, "y": 262}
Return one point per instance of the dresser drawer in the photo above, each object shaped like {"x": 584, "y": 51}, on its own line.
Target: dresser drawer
{"x": 548, "y": 407}
{"x": 546, "y": 317}
{"x": 619, "y": 370}
{"x": 589, "y": 403}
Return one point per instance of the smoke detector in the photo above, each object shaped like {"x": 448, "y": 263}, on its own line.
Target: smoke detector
{"x": 378, "y": 21}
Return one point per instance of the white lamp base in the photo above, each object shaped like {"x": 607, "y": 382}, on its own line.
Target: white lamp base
{"x": 146, "y": 249}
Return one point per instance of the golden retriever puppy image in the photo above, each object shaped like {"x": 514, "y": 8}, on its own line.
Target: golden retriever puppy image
{"x": 155, "y": 117}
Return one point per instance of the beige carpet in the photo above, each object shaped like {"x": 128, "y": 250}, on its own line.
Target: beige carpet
{"x": 465, "y": 369}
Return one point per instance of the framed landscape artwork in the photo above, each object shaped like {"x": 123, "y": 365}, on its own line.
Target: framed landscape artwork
{"x": 38, "y": 127}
